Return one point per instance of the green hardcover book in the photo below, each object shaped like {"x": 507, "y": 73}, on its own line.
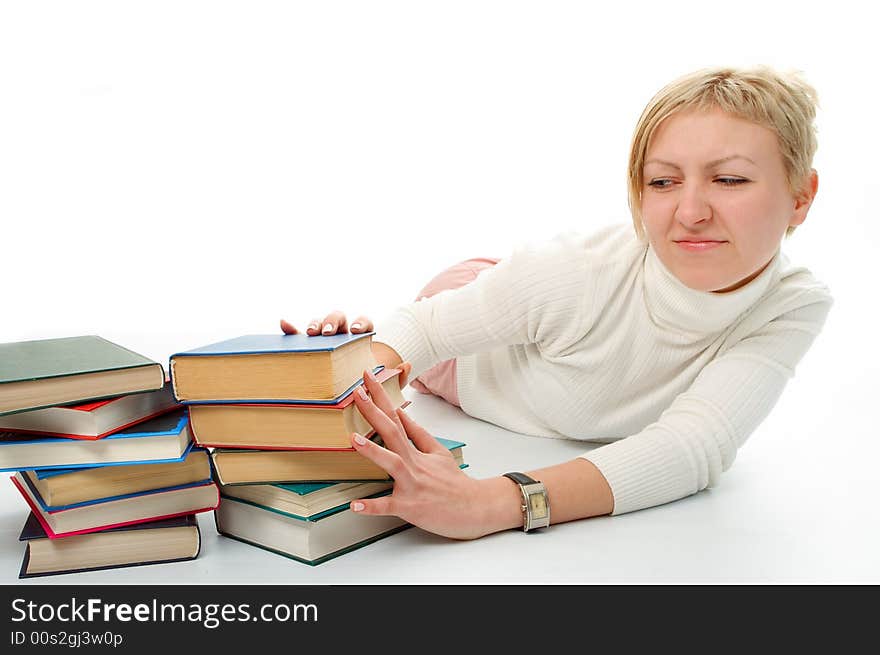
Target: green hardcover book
{"x": 311, "y": 540}
{"x": 305, "y": 499}
{"x": 50, "y": 372}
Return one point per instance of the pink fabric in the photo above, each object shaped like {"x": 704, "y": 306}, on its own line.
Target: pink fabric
{"x": 439, "y": 380}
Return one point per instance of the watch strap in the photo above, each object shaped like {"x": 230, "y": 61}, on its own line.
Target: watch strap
{"x": 520, "y": 478}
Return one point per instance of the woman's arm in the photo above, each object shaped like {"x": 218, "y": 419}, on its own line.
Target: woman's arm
{"x": 386, "y": 355}
{"x": 536, "y": 295}
{"x": 684, "y": 451}
{"x": 696, "y": 439}
{"x": 575, "y": 489}
{"x": 541, "y": 293}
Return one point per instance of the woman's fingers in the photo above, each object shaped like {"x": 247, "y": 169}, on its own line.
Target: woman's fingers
{"x": 360, "y": 325}
{"x": 380, "y": 397}
{"x": 288, "y": 328}
{"x": 422, "y": 439}
{"x": 405, "y": 369}
{"x": 389, "y": 429}
{"x": 388, "y": 461}
{"x": 382, "y": 506}
{"x": 334, "y": 323}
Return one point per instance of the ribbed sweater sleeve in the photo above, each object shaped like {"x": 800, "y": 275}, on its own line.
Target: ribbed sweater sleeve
{"x": 697, "y": 437}
{"x": 514, "y": 302}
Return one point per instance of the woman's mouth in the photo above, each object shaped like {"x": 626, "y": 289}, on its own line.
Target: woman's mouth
{"x": 699, "y": 246}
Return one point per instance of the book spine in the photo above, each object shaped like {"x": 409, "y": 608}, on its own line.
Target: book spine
{"x": 24, "y": 562}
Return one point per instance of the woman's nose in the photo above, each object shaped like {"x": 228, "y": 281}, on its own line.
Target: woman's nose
{"x": 693, "y": 205}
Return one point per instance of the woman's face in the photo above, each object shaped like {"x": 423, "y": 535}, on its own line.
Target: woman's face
{"x": 715, "y": 201}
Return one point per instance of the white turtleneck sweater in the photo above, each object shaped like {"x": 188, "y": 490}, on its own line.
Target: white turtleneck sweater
{"x": 592, "y": 338}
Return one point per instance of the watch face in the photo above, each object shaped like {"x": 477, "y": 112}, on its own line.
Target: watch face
{"x": 538, "y": 506}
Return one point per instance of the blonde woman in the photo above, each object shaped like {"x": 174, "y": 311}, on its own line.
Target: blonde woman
{"x": 667, "y": 341}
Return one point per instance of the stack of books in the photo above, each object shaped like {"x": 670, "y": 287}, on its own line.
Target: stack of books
{"x": 276, "y": 413}
{"x": 102, "y": 454}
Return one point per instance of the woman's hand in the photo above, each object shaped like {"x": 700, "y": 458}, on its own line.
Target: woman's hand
{"x": 333, "y": 323}
{"x": 430, "y": 490}
{"x": 336, "y": 323}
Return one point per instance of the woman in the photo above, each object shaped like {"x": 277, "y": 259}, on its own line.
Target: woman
{"x": 668, "y": 343}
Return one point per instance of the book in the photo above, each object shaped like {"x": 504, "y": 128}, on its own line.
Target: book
{"x": 262, "y": 466}
{"x": 93, "y": 420}
{"x": 164, "y": 438}
{"x": 272, "y": 368}
{"x": 309, "y": 540}
{"x": 49, "y": 372}
{"x": 305, "y": 499}
{"x": 155, "y": 542}
{"x": 115, "y": 511}
{"x": 268, "y": 426}
{"x": 71, "y": 486}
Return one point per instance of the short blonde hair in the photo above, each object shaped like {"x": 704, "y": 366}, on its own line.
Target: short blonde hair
{"x": 781, "y": 102}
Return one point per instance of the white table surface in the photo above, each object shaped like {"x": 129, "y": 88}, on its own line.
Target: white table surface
{"x": 799, "y": 506}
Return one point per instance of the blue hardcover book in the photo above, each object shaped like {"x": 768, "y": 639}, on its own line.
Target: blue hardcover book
{"x": 273, "y": 368}
{"x": 71, "y": 487}
{"x": 161, "y": 439}
{"x": 151, "y": 505}
{"x": 38, "y": 497}
{"x": 44, "y": 474}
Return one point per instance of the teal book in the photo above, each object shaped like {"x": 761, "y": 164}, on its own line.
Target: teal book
{"x": 238, "y": 466}
{"x": 273, "y": 368}
{"x": 50, "y": 372}
{"x": 305, "y": 499}
{"x": 311, "y": 540}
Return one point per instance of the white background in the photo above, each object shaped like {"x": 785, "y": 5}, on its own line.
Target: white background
{"x": 178, "y": 173}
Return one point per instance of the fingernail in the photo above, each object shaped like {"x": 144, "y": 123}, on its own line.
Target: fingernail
{"x": 357, "y": 507}
{"x": 360, "y": 392}
{"x": 328, "y": 327}
{"x": 313, "y": 326}
{"x": 356, "y": 326}
{"x": 359, "y": 440}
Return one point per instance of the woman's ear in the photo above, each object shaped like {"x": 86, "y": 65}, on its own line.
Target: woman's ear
{"x": 804, "y": 199}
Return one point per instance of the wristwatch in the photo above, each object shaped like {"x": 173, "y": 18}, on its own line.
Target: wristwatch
{"x": 535, "y": 505}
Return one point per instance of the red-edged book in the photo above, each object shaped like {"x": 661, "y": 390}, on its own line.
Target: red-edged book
{"x": 117, "y": 511}
{"x": 267, "y": 426}
{"x": 93, "y": 420}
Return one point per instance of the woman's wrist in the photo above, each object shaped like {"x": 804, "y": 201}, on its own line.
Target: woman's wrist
{"x": 500, "y": 503}
{"x": 386, "y": 355}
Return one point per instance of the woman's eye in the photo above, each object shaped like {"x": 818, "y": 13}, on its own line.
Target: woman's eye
{"x": 724, "y": 181}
